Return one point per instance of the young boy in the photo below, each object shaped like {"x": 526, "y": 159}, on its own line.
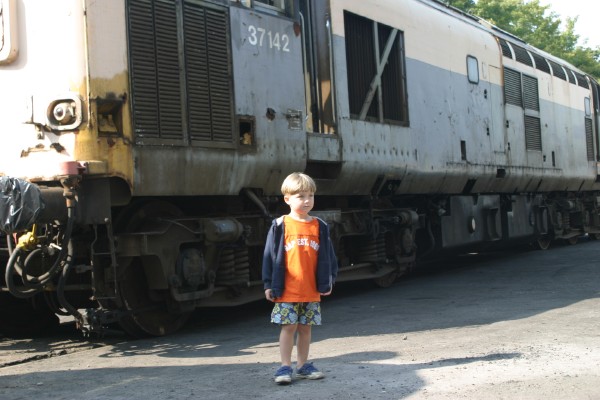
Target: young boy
{"x": 299, "y": 266}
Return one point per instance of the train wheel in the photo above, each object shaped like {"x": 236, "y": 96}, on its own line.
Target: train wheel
{"x": 543, "y": 242}
{"x": 150, "y": 314}
{"x": 386, "y": 280}
{"x": 572, "y": 240}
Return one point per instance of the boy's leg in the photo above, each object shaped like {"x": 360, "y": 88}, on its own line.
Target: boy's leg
{"x": 303, "y": 343}
{"x": 310, "y": 315}
{"x": 286, "y": 343}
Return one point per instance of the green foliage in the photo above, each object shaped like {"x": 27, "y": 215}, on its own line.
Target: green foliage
{"x": 537, "y": 25}
{"x": 465, "y": 5}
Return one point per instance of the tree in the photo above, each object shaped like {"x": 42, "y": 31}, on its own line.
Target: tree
{"x": 537, "y": 25}
{"x": 465, "y": 5}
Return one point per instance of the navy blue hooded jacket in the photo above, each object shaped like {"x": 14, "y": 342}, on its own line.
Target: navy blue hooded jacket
{"x": 273, "y": 268}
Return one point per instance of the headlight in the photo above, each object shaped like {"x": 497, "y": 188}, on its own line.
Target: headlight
{"x": 65, "y": 113}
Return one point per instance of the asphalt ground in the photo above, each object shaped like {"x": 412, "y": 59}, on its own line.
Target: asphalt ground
{"x": 502, "y": 325}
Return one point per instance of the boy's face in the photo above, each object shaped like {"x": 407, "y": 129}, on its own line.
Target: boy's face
{"x": 300, "y": 203}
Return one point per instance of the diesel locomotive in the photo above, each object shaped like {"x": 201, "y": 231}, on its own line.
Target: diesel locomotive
{"x": 144, "y": 143}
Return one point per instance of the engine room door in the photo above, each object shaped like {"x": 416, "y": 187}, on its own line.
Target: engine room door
{"x": 497, "y": 130}
{"x": 323, "y": 143}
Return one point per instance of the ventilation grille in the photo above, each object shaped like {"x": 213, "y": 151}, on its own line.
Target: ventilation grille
{"x": 362, "y": 68}
{"x": 208, "y": 73}
{"x": 522, "y": 55}
{"x": 581, "y": 80}
{"x": 180, "y": 72}
{"x": 541, "y": 63}
{"x": 533, "y": 133}
{"x": 531, "y": 100}
{"x": 144, "y": 71}
{"x": 512, "y": 87}
{"x": 505, "y": 48}
{"x": 557, "y": 70}
{"x": 589, "y": 139}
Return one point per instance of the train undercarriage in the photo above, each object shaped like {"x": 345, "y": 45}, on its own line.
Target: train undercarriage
{"x": 156, "y": 260}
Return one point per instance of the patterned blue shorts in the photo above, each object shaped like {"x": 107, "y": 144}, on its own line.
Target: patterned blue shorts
{"x": 297, "y": 313}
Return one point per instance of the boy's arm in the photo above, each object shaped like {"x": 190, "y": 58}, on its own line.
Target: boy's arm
{"x": 333, "y": 263}
{"x": 334, "y": 269}
{"x": 267, "y": 261}
{"x": 267, "y": 266}
{"x": 332, "y": 258}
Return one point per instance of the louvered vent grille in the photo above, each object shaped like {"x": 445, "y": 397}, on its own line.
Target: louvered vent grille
{"x": 557, "y": 70}
{"x": 512, "y": 87}
{"x": 391, "y": 80}
{"x": 208, "y": 73}
{"x": 360, "y": 60}
{"x": 541, "y": 63}
{"x": 167, "y": 65}
{"x": 505, "y": 48}
{"x": 180, "y": 72}
{"x": 144, "y": 74}
{"x": 531, "y": 98}
{"x": 220, "y": 87}
{"x": 522, "y": 55}
{"x": 581, "y": 80}
{"x": 361, "y": 49}
{"x": 589, "y": 139}
{"x": 197, "y": 73}
{"x": 533, "y": 133}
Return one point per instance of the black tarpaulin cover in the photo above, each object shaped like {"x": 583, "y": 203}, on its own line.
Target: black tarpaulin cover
{"x": 20, "y": 204}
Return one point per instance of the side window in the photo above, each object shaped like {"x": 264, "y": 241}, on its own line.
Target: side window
{"x": 8, "y": 34}
{"x": 277, "y": 7}
{"x": 472, "y": 69}
{"x": 273, "y": 7}
{"x": 376, "y": 71}
{"x": 273, "y": 3}
{"x": 588, "y": 107}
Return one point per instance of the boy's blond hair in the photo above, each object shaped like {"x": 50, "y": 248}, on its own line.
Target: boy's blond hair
{"x": 297, "y": 182}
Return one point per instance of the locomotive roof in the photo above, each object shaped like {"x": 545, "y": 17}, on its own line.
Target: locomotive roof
{"x": 496, "y": 31}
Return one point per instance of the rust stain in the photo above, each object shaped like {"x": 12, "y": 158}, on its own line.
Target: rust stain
{"x": 93, "y": 142}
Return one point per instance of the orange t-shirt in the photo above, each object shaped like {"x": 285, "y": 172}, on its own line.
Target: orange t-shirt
{"x": 301, "y": 250}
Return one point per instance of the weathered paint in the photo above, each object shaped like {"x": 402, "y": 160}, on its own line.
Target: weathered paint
{"x": 47, "y": 67}
{"x": 444, "y": 109}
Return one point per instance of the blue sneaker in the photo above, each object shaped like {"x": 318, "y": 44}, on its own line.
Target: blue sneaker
{"x": 283, "y": 376}
{"x": 308, "y": 371}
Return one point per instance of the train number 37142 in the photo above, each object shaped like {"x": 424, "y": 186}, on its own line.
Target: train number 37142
{"x": 262, "y": 37}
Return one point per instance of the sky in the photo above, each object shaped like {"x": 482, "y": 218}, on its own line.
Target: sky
{"x": 587, "y": 25}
